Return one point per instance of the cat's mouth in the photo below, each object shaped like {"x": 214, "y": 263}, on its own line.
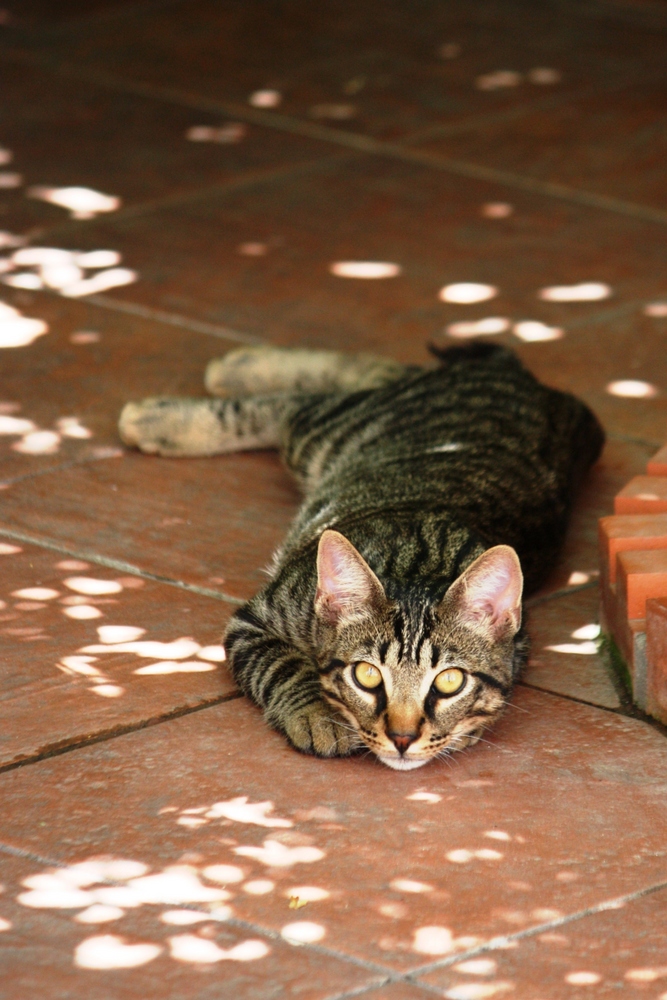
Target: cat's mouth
{"x": 403, "y": 763}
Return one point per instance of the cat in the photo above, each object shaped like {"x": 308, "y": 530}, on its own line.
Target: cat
{"x": 392, "y": 619}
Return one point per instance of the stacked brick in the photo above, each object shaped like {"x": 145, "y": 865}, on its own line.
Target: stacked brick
{"x": 633, "y": 576}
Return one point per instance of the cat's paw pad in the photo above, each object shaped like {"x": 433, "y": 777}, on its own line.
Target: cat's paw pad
{"x": 316, "y": 730}
{"x": 170, "y": 426}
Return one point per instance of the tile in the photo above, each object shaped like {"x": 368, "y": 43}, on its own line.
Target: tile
{"x": 55, "y": 690}
{"x": 386, "y": 65}
{"x": 658, "y": 463}
{"x": 603, "y": 955}
{"x": 66, "y": 132}
{"x": 54, "y": 379}
{"x": 429, "y": 224}
{"x": 398, "y": 991}
{"x": 574, "y": 667}
{"x": 48, "y": 953}
{"x": 199, "y": 520}
{"x": 339, "y": 834}
{"x": 641, "y": 574}
{"x": 209, "y": 522}
{"x": 606, "y": 143}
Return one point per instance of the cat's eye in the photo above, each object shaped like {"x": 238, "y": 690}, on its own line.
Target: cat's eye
{"x": 449, "y": 682}
{"x": 367, "y": 676}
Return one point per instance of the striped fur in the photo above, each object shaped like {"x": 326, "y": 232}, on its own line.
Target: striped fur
{"x": 424, "y": 474}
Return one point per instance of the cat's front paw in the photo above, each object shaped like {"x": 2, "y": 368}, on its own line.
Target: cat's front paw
{"x": 315, "y": 729}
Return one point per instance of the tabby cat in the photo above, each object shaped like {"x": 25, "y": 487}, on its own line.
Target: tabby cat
{"x": 392, "y": 617}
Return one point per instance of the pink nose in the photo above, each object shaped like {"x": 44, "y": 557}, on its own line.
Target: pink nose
{"x": 402, "y": 740}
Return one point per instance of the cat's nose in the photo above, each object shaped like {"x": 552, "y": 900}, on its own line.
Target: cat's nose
{"x": 402, "y": 740}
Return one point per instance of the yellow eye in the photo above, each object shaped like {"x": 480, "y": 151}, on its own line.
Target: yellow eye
{"x": 449, "y": 682}
{"x": 367, "y": 676}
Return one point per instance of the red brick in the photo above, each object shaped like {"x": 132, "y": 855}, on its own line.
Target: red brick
{"x": 642, "y": 495}
{"x": 621, "y": 532}
{"x": 657, "y": 466}
{"x": 656, "y": 655}
{"x": 641, "y": 575}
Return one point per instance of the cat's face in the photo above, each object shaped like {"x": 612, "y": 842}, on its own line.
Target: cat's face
{"x": 416, "y": 681}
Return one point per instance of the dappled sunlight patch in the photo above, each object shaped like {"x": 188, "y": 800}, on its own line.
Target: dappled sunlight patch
{"x": 586, "y": 291}
{"x": 273, "y": 854}
{"x": 73, "y": 428}
{"x": 591, "y": 631}
{"x": 17, "y": 330}
{"x": 81, "y": 202}
{"x": 5, "y": 925}
{"x": 183, "y": 918}
{"x": 243, "y": 811}
{"x": 486, "y": 327}
{"x": 632, "y": 389}
{"x": 7, "y": 549}
{"x": 253, "y": 249}
{"x": 82, "y": 612}
{"x": 10, "y": 179}
{"x": 499, "y": 80}
{"x": 589, "y": 648}
{"x": 38, "y": 443}
{"x": 478, "y": 991}
{"x": 533, "y": 331}
{"x": 657, "y": 310}
{"x": 108, "y": 690}
{"x": 646, "y": 975}
{"x": 107, "y": 951}
{"x": 98, "y": 913}
{"x": 578, "y": 577}
{"x": 175, "y": 667}
{"x": 583, "y": 978}
{"x": 265, "y": 98}
{"x": 497, "y": 210}
{"x": 191, "y": 948}
{"x": 225, "y": 874}
{"x": 36, "y": 593}
{"x": 477, "y": 967}
{"x": 497, "y": 835}
{"x": 111, "y": 634}
{"x": 433, "y": 940}
{"x": 259, "y": 887}
{"x": 544, "y": 76}
{"x": 467, "y": 292}
{"x": 368, "y": 270}
{"x": 303, "y": 932}
{"x": 420, "y": 796}
{"x": 64, "y": 271}
{"x": 409, "y": 885}
{"x": 462, "y": 856}
{"x": 80, "y": 337}
{"x": 225, "y": 135}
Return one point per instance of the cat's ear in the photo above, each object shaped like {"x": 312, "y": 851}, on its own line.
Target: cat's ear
{"x": 487, "y": 596}
{"x": 346, "y": 585}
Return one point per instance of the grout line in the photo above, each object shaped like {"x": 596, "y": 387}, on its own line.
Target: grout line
{"x": 118, "y": 564}
{"x": 120, "y": 730}
{"x": 171, "y": 319}
{"x": 351, "y": 140}
{"x": 246, "y": 180}
{"x": 502, "y": 941}
{"x": 573, "y": 698}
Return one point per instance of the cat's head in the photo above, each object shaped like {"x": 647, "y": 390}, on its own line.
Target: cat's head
{"x": 416, "y": 680}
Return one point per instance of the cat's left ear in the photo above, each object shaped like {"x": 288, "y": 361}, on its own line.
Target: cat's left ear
{"x": 346, "y": 585}
{"x": 487, "y": 596}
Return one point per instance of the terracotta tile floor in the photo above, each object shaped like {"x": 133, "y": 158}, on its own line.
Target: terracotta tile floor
{"x": 152, "y": 829}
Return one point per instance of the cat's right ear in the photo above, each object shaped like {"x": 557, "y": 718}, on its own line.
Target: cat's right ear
{"x": 346, "y": 585}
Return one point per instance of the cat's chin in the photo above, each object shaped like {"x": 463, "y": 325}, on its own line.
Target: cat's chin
{"x": 401, "y": 764}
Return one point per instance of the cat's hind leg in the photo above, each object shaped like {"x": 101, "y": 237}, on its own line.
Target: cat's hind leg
{"x": 249, "y": 371}
{"x": 182, "y": 427}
